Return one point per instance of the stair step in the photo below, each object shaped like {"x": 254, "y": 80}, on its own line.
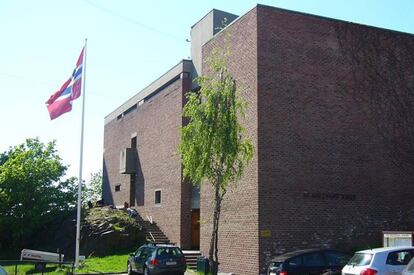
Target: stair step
{"x": 191, "y": 258}
{"x": 152, "y": 231}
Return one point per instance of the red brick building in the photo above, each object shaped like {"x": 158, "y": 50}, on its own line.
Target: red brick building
{"x": 324, "y": 173}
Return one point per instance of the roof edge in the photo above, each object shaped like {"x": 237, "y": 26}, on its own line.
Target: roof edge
{"x": 184, "y": 65}
{"x": 332, "y": 19}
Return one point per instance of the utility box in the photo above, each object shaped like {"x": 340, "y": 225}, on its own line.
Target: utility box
{"x": 397, "y": 238}
{"x": 128, "y": 161}
{"x": 203, "y": 265}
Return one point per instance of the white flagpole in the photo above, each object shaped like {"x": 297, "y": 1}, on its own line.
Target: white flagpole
{"x": 81, "y": 160}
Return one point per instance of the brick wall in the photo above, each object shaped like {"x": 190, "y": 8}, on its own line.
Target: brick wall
{"x": 238, "y": 229}
{"x": 156, "y": 124}
{"x": 320, "y": 176}
{"x": 325, "y": 178}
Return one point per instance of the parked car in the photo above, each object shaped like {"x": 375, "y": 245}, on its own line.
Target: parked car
{"x": 409, "y": 269}
{"x": 157, "y": 259}
{"x": 2, "y": 271}
{"x": 379, "y": 261}
{"x": 308, "y": 261}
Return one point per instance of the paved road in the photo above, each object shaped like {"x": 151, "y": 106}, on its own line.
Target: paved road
{"x": 186, "y": 273}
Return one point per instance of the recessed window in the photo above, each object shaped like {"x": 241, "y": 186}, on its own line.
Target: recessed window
{"x": 134, "y": 142}
{"x": 117, "y": 188}
{"x": 157, "y": 196}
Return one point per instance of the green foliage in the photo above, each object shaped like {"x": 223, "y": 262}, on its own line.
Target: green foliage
{"x": 99, "y": 215}
{"x": 92, "y": 191}
{"x": 32, "y": 192}
{"x": 211, "y": 144}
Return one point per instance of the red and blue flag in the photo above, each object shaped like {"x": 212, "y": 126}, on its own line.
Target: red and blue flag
{"x": 61, "y": 101}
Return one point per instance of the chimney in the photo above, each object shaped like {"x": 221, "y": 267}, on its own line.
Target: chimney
{"x": 203, "y": 31}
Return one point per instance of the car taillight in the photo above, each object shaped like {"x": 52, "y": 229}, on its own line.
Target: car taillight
{"x": 154, "y": 262}
{"x": 368, "y": 271}
{"x": 183, "y": 260}
{"x": 283, "y": 273}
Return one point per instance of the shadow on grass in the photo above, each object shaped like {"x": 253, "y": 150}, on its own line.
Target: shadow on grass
{"x": 43, "y": 270}
{"x": 50, "y": 269}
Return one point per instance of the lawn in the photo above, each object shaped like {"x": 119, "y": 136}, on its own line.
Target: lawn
{"x": 28, "y": 268}
{"x": 107, "y": 264}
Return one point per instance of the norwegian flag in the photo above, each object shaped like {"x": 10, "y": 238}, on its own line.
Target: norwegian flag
{"x": 61, "y": 101}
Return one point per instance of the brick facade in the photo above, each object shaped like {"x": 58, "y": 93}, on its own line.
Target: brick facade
{"x": 159, "y": 166}
{"x": 324, "y": 175}
{"x": 238, "y": 229}
{"x": 321, "y": 175}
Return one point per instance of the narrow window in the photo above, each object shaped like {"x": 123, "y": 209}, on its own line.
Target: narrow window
{"x": 132, "y": 177}
{"x": 134, "y": 142}
{"x": 117, "y": 188}
{"x": 157, "y": 196}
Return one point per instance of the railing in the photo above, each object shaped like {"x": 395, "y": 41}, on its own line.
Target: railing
{"x": 152, "y": 236}
{"x": 23, "y": 267}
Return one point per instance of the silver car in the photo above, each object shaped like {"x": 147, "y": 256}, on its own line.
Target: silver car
{"x": 379, "y": 261}
{"x": 409, "y": 269}
{"x": 2, "y": 271}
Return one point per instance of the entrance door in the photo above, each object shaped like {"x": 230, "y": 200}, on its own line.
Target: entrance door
{"x": 195, "y": 229}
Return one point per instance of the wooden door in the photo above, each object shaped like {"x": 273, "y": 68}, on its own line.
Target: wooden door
{"x": 195, "y": 229}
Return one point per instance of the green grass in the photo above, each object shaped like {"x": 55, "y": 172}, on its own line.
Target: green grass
{"x": 193, "y": 272}
{"x": 97, "y": 265}
{"x": 107, "y": 264}
{"x": 30, "y": 269}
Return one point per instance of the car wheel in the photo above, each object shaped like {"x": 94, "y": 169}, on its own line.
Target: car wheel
{"x": 129, "y": 268}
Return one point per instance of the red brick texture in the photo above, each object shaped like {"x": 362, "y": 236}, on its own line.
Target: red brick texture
{"x": 156, "y": 123}
{"x": 238, "y": 228}
{"x": 324, "y": 176}
{"x": 320, "y": 176}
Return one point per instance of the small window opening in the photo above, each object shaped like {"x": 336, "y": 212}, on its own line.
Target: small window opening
{"x": 157, "y": 196}
{"x": 117, "y": 188}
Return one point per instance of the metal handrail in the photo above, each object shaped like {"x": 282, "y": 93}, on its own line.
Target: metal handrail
{"x": 152, "y": 236}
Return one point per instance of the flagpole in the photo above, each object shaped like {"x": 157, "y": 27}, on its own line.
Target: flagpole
{"x": 78, "y": 218}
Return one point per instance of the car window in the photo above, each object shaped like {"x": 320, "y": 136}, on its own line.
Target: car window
{"x": 399, "y": 257}
{"x": 313, "y": 259}
{"x": 410, "y": 266}
{"x": 146, "y": 252}
{"x": 168, "y": 252}
{"x": 334, "y": 258}
{"x": 360, "y": 259}
{"x": 295, "y": 262}
{"x": 138, "y": 252}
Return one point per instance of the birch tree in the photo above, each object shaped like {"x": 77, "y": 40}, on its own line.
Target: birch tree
{"x": 213, "y": 148}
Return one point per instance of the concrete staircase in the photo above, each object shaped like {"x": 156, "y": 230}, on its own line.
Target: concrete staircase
{"x": 152, "y": 232}
{"x": 191, "y": 258}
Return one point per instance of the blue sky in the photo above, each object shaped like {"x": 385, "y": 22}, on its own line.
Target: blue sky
{"x": 130, "y": 44}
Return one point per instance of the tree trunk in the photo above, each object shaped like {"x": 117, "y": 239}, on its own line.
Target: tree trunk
{"x": 213, "y": 252}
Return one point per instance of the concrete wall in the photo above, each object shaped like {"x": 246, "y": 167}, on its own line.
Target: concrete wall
{"x": 203, "y": 31}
